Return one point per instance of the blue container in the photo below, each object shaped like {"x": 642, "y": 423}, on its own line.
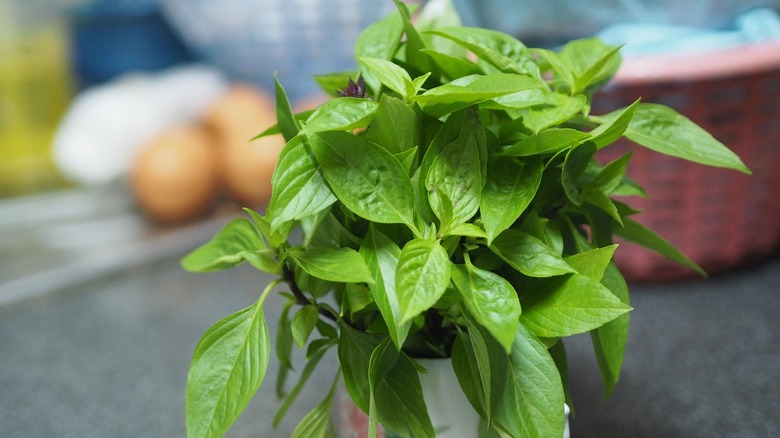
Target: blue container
{"x": 109, "y": 38}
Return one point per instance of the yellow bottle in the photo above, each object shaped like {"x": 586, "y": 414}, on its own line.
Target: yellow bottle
{"x": 34, "y": 91}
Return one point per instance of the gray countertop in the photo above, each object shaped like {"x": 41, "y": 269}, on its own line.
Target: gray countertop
{"x": 106, "y": 354}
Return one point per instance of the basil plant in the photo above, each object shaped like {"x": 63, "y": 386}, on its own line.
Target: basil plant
{"x": 444, "y": 203}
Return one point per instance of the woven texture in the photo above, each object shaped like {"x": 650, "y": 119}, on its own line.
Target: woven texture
{"x": 719, "y": 218}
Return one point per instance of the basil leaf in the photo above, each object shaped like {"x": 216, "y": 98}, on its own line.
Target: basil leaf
{"x": 303, "y": 323}
{"x": 283, "y": 347}
{"x": 611, "y": 176}
{"x": 613, "y": 126}
{"x": 422, "y": 276}
{"x": 591, "y": 61}
{"x": 298, "y": 188}
{"x": 511, "y": 185}
{"x": 663, "y": 130}
{"x": 381, "y": 255}
{"x": 457, "y": 174}
{"x": 559, "y": 109}
{"x": 547, "y": 141}
{"x": 382, "y": 38}
{"x": 315, "y": 424}
{"x": 397, "y": 392}
{"x": 452, "y": 67}
{"x": 529, "y": 255}
{"x": 333, "y": 264}
{"x": 471, "y": 90}
{"x": 491, "y": 300}
{"x": 467, "y": 230}
{"x": 308, "y": 369}
{"x": 609, "y": 340}
{"x": 237, "y": 242}
{"x": 341, "y": 114}
{"x": 464, "y": 363}
{"x": 388, "y": 74}
{"x": 228, "y": 366}
{"x": 395, "y": 126}
{"x": 641, "y": 235}
{"x": 593, "y": 262}
{"x": 575, "y": 304}
{"x": 529, "y": 371}
{"x": 287, "y": 124}
{"x": 368, "y": 179}
{"x": 559, "y": 66}
{"x": 504, "y": 52}
{"x": 355, "y": 348}
{"x": 574, "y": 166}
{"x": 414, "y": 42}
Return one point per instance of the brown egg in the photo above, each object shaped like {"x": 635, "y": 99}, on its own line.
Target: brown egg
{"x": 246, "y": 166}
{"x": 175, "y": 177}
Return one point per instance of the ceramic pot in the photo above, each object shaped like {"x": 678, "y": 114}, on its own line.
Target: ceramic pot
{"x": 450, "y": 411}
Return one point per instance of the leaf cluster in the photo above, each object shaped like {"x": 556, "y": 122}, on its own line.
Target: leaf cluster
{"x": 458, "y": 212}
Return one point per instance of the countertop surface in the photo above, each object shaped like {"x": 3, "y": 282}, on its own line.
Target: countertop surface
{"x": 107, "y": 354}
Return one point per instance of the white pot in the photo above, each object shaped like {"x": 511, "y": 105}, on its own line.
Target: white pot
{"x": 450, "y": 411}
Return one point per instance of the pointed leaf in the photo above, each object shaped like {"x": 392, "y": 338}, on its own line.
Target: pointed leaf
{"x": 641, "y": 235}
{"x": 422, "y": 276}
{"x": 576, "y": 304}
{"x": 510, "y": 187}
{"x": 228, "y": 366}
{"x": 368, "y": 179}
{"x": 663, "y": 130}
{"x": 237, "y": 242}
{"x": 333, "y": 264}
{"x": 381, "y": 255}
{"x": 315, "y": 424}
{"x": 341, "y": 114}
{"x": 298, "y": 188}
{"x": 303, "y": 322}
{"x": 529, "y": 255}
{"x": 548, "y": 141}
{"x": 491, "y": 300}
{"x": 609, "y": 340}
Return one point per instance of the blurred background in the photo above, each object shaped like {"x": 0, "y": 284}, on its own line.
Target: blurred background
{"x": 124, "y": 128}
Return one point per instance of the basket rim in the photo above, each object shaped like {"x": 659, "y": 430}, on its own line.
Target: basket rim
{"x": 735, "y": 61}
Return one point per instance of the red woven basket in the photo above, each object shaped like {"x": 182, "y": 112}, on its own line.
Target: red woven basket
{"x": 720, "y": 218}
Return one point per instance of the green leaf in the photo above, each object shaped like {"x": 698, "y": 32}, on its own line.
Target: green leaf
{"x": 558, "y": 353}
{"x": 308, "y": 369}
{"x": 530, "y": 397}
{"x": 457, "y": 174}
{"x": 609, "y": 340}
{"x": 510, "y": 187}
{"x": 611, "y": 176}
{"x": 452, "y": 66}
{"x": 547, "y": 141}
{"x": 557, "y": 110}
{"x": 287, "y": 124}
{"x": 357, "y": 297}
{"x": 395, "y": 126}
{"x": 575, "y": 304}
{"x": 641, "y": 235}
{"x": 467, "y": 230}
{"x": 559, "y": 66}
{"x": 237, "y": 242}
{"x": 381, "y": 255}
{"x": 422, "y": 276}
{"x": 341, "y": 114}
{"x": 388, "y": 74}
{"x": 502, "y": 51}
{"x": 303, "y": 322}
{"x": 276, "y": 238}
{"x": 355, "y": 348}
{"x": 591, "y": 61}
{"x": 593, "y": 262}
{"x": 663, "y": 130}
{"x": 470, "y": 90}
{"x": 396, "y": 390}
{"x": 491, "y": 300}
{"x": 298, "y": 188}
{"x": 574, "y": 166}
{"x": 368, "y": 179}
{"x": 333, "y": 264}
{"x": 475, "y": 384}
{"x": 613, "y": 126}
{"x": 600, "y": 200}
{"x": 529, "y": 255}
{"x": 228, "y": 366}
{"x": 414, "y": 42}
{"x": 382, "y": 38}
{"x": 315, "y": 424}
